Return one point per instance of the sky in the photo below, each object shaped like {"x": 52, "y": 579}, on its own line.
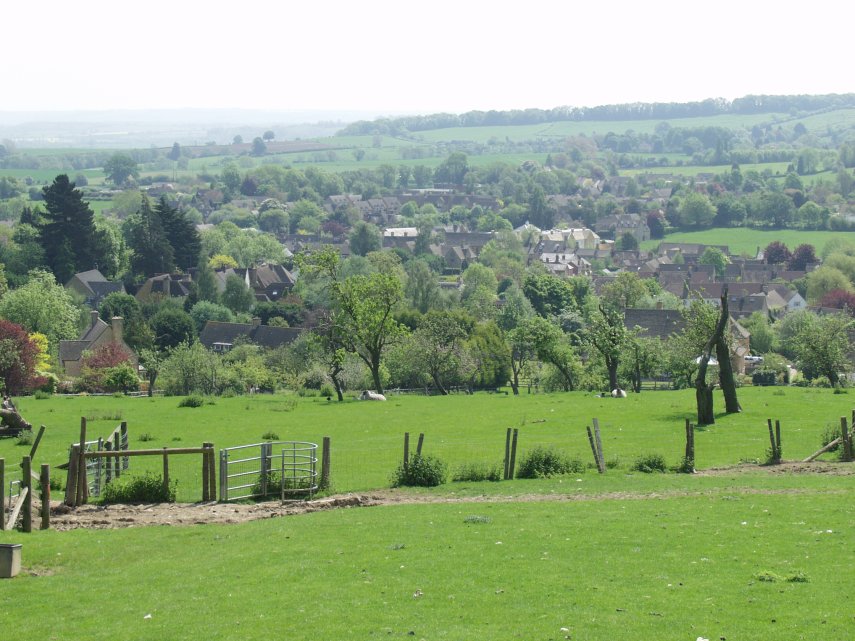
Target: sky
{"x": 393, "y": 57}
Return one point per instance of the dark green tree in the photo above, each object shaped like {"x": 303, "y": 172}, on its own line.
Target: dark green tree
{"x": 237, "y": 296}
{"x": 181, "y": 234}
{"x": 152, "y": 251}
{"x": 67, "y": 233}
{"x": 365, "y": 238}
{"x": 120, "y": 168}
{"x": 171, "y": 327}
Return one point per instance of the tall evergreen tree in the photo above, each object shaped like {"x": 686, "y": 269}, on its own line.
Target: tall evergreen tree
{"x": 152, "y": 252}
{"x": 181, "y": 233}
{"x": 67, "y": 233}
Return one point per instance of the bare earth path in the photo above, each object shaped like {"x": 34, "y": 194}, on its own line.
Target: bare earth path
{"x": 118, "y": 516}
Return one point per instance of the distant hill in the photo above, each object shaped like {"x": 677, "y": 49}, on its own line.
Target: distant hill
{"x": 796, "y": 104}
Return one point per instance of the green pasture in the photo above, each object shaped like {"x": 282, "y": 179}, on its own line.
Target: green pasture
{"x": 745, "y": 241}
{"x": 728, "y": 564}
{"x": 367, "y": 438}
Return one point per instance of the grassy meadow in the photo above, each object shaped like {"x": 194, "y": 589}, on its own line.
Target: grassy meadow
{"x": 367, "y": 438}
{"x": 743, "y": 241}
{"x": 734, "y": 554}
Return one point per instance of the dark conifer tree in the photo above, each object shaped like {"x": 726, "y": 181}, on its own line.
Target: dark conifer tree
{"x": 152, "y": 252}
{"x": 67, "y": 233}
{"x": 181, "y": 233}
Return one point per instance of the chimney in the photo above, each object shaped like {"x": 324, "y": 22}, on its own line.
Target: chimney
{"x": 256, "y": 321}
{"x": 659, "y": 305}
{"x": 93, "y": 315}
{"x": 118, "y": 324}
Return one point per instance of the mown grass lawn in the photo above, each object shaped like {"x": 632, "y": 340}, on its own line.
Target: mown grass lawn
{"x": 367, "y": 438}
{"x": 665, "y": 566}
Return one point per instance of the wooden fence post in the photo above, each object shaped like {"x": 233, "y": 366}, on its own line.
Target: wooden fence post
{"x": 44, "y": 479}
{"x": 593, "y": 448}
{"x": 774, "y": 457}
{"x": 165, "y": 473}
{"x": 108, "y": 464}
{"x": 601, "y": 461}
{"x": 71, "y": 479}
{"x": 38, "y": 440}
{"x": 27, "y": 481}
{"x": 82, "y": 481}
{"x": 406, "y": 451}
{"x": 212, "y": 473}
{"x": 2, "y": 494}
{"x": 325, "y": 464}
{"x": 778, "y": 450}
{"x": 513, "y": 463}
{"x": 206, "y": 482}
{"x": 420, "y": 443}
{"x": 689, "y": 464}
{"x": 507, "y": 476}
{"x": 123, "y": 443}
{"x": 847, "y": 439}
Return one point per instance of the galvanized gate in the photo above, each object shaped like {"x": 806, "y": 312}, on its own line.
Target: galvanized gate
{"x": 100, "y": 471}
{"x": 284, "y": 469}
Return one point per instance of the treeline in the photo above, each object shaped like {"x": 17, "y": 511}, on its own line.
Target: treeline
{"x": 629, "y": 111}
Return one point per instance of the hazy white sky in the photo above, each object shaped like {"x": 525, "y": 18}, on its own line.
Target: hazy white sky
{"x": 390, "y": 56}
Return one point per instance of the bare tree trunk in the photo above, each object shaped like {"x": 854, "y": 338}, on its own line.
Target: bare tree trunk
{"x": 725, "y": 367}
{"x": 704, "y": 391}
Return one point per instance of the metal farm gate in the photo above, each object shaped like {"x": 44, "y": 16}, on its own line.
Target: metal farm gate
{"x": 285, "y": 469}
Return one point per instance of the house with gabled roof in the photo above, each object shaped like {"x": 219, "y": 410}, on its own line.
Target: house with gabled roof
{"x": 93, "y": 286}
{"x": 97, "y": 333}
{"x": 221, "y": 337}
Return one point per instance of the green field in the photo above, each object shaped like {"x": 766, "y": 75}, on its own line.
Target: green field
{"x": 749, "y": 555}
{"x": 744, "y": 242}
{"x": 367, "y": 438}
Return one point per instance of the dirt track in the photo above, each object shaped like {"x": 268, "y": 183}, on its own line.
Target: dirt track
{"x": 118, "y": 516}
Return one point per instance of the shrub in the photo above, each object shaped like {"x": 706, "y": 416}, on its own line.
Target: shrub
{"x": 194, "y": 400}
{"x": 270, "y": 436}
{"x": 422, "y": 471}
{"x": 147, "y": 488}
{"x": 275, "y": 484}
{"x": 763, "y": 377}
{"x": 327, "y": 390}
{"x": 121, "y": 378}
{"x": 145, "y": 437}
{"x": 41, "y": 395}
{"x": 821, "y": 381}
{"x": 478, "y": 472}
{"x": 542, "y": 462}
{"x": 25, "y": 438}
{"x": 829, "y": 434}
{"x": 649, "y": 463}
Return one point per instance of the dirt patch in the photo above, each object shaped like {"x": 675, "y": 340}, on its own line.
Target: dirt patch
{"x": 119, "y": 516}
